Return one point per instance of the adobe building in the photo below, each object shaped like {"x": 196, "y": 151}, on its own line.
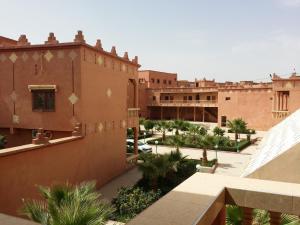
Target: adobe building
{"x": 58, "y": 86}
{"x": 261, "y": 105}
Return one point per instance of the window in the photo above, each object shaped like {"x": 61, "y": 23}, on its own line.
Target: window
{"x": 208, "y": 98}
{"x": 153, "y": 98}
{"x": 165, "y": 82}
{"x": 227, "y": 98}
{"x": 152, "y": 80}
{"x": 190, "y": 98}
{"x": 170, "y": 82}
{"x": 213, "y": 98}
{"x": 158, "y": 81}
{"x": 223, "y": 121}
{"x": 43, "y": 100}
{"x": 166, "y": 97}
{"x": 184, "y": 98}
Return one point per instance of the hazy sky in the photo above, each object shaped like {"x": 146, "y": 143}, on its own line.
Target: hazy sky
{"x": 221, "y": 39}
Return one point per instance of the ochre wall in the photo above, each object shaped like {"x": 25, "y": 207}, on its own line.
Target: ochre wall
{"x": 283, "y": 168}
{"x": 94, "y": 157}
{"x": 32, "y": 68}
{"x": 254, "y": 106}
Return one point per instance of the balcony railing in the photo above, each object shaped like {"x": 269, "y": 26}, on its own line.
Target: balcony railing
{"x": 280, "y": 114}
{"x": 133, "y": 112}
{"x": 186, "y": 90}
{"x": 201, "y": 103}
{"x": 202, "y": 199}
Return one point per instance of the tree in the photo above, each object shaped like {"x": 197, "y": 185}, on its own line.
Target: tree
{"x": 218, "y": 131}
{"x": 193, "y": 131}
{"x": 149, "y": 125}
{"x": 237, "y": 126}
{"x": 163, "y": 126}
{"x": 177, "y": 141}
{"x": 66, "y": 204}
{"x": 180, "y": 125}
{"x": 205, "y": 143}
{"x": 155, "y": 167}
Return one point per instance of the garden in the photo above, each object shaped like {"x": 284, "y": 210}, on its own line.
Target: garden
{"x": 196, "y": 136}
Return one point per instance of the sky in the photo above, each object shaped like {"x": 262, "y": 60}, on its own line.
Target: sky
{"x": 213, "y": 39}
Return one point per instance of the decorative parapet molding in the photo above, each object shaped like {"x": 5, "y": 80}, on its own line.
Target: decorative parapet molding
{"x": 51, "y": 39}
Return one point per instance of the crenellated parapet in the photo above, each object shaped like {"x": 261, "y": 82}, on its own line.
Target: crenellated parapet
{"x": 52, "y": 42}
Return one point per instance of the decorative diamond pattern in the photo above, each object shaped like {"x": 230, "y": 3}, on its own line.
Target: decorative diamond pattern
{"x": 100, "y": 127}
{"x": 35, "y": 56}
{"x": 13, "y": 57}
{"x": 123, "y": 67}
{"x": 24, "y": 57}
{"x": 16, "y": 119}
{"x": 72, "y": 55}
{"x": 73, "y": 98}
{"x": 90, "y": 128}
{"x": 60, "y": 54}
{"x": 73, "y": 121}
{"x": 124, "y": 124}
{"x": 109, "y": 92}
{"x": 48, "y": 56}
{"x": 100, "y": 60}
{"x": 13, "y": 96}
{"x": 2, "y": 57}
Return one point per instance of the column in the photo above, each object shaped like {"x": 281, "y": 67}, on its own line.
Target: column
{"x": 286, "y": 102}
{"x": 203, "y": 111}
{"x": 135, "y": 137}
{"x": 221, "y": 217}
{"x": 247, "y": 219}
{"x": 194, "y": 114}
{"x": 278, "y": 101}
{"x": 177, "y": 111}
{"x": 275, "y": 218}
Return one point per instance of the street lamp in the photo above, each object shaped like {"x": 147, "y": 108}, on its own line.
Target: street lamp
{"x": 144, "y": 137}
{"x": 156, "y": 143}
{"x": 237, "y": 144}
{"x": 198, "y": 166}
{"x": 216, "y": 148}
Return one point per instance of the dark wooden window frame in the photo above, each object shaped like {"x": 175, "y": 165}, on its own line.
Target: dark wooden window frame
{"x": 47, "y": 98}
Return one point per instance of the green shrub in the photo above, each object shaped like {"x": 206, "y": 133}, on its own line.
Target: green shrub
{"x": 3, "y": 141}
{"x": 224, "y": 143}
{"x": 131, "y": 201}
{"x": 218, "y": 131}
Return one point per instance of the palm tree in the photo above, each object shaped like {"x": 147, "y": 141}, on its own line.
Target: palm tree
{"x": 154, "y": 168}
{"x": 193, "y": 131}
{"x": 237, "y": 126}
{"x": 66, "y": 204}
{"x": 207, "y": 142}
{"x": 163, "y": 126}
{"x": 180, "y": 125}
{"x": 177, "y": 141}
{"x": 218, "y": 131}
{"x": 149, "y": 125}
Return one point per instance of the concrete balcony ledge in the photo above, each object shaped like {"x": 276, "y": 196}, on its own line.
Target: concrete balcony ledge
{"x": 9, "y": 220}
{"x": 29, "y": 147}
{"x": 200, "y": 199}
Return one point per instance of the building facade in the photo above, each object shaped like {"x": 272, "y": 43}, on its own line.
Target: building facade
{"x": 56, "y": 86}
{"x": 261, "y": 105}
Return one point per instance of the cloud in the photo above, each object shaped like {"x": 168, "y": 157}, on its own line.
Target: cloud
{"x": 290, "y": 3}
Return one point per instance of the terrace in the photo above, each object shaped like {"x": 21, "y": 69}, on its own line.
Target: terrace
{"x": 195, "y": 202}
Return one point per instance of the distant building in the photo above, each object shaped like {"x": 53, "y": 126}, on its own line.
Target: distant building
{"x": 261, "y": 105}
